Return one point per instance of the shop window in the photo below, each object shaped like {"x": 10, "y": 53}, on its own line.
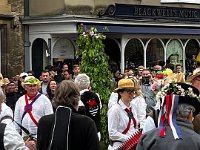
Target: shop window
{"x": 174, "y": 53}
{"x": 134, "y": 54}
{"x": 181, "y": 1}
{"x": 155, "y": 53}
{"x": 63, "y": 52}
{"x": 191, "y": 52}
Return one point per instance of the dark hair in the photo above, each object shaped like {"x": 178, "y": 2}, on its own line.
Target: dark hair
{"x": 119, "y": 91}
{"x": 162, "y": 63}
{"x": 45, "y": 71}
{"x": 49, "y": 67}
{"x": 49, "y": 93}
{"x": 31, "y": 71}
{"x": 66, "y": 94}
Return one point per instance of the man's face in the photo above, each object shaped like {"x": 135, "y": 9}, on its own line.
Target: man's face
{"x": 65, "y": 67}
{"x": 11, "y": 87}
{"x": 146, "y": 73}
{"x": 76, "y": 70}
{"x": 31, "y": 89}
{"x": 178, "y": 69}
{"x": 140, "y": 72}
{"x": 45, "y": 77}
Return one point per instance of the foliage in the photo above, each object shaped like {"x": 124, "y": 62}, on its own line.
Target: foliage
{"x": 94, "y": 62}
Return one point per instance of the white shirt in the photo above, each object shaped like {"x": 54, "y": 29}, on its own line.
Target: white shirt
{"x": 117, "y": 123}
{"x": 113, "y": 99}
{"x": 138, "y": 103}
{"x": 42, "y": 106}
{"x": 44, "y": 88}
{"x": 148, "y": 125}
{"x": 6, "y": 111}
{"x": 12, "y": 140}
{"x": 140, "y": 107}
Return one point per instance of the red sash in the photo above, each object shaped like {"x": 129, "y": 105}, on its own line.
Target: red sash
{"x": 130, "y": 115}
{"x": 28, "y": 107}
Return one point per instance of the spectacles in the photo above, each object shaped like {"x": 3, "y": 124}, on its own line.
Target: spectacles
{"x": 130, "y": 91}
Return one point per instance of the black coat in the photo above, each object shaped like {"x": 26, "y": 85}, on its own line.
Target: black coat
{"x": 92, "y": 107}
{"x": 82, "y": 133}
{"x": 11, "y": 99}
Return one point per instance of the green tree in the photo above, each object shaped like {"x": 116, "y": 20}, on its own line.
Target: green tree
{"x": 94, "y": 62}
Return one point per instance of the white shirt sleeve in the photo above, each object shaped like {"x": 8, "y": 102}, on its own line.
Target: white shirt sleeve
{"x": 113, "y": 99}
{"x": 114, "y": 123}
{"x": 6, "y": 112}
{"x": 148, "y": 125}
{"x": 140, "y": 107}
{"x": 47, "y": 106}
{"x": 17, "y": 113}
{"x": 12, "y": 140}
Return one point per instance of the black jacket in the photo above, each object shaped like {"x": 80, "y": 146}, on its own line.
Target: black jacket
{"x": 11, "y": 99}
{"x": 92, "y": 107}
{"x": 82, "y": 133}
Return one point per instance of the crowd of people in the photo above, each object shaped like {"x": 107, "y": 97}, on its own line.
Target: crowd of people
{"x": 60, "y": 111}
{"x": 167, "y": 105}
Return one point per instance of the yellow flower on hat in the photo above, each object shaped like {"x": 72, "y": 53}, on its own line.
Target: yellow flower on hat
{"x": 31, "y": 80}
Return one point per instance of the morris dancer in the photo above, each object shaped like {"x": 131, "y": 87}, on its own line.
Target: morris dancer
{"x": 122, "y": 118}
{"x": 31, "y": 107}
{"x": 180, "y": 103}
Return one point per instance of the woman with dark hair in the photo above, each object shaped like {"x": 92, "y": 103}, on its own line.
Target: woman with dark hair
{"x": 51, "y": 87}
{"x": 66, "y": 129}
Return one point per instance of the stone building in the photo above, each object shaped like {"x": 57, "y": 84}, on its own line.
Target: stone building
{"x": 139, "y": 32}
{"x": 11, "y": 37}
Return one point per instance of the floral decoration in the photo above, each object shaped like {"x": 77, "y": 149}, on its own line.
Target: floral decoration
{"x": 174, "y": 88}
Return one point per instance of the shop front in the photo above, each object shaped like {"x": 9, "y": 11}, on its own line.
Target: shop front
{"x": 136, "y": 35}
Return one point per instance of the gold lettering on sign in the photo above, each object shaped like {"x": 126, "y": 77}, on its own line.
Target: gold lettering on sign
{"x": 148, "y": 12}
{"x": 165, "y": 12}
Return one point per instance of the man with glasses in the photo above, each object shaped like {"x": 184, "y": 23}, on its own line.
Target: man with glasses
{"x": 30, "y": 108}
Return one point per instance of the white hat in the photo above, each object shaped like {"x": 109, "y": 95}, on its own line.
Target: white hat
{"x": 23, "y": 74}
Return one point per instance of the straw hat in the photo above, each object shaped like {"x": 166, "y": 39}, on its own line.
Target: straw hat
{"x": 31, "y": 80}
{"x": 125, "y": 84}
{"x": 195, "y": 74}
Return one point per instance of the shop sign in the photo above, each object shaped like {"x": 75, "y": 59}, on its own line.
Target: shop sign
{"x": 153, "y": 12}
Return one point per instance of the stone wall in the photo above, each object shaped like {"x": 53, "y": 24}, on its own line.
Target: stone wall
{"x": 87, "y": 7}
{"x": 13, "y": 47}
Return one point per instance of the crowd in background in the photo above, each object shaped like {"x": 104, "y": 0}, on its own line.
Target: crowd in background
{"x": 22, "y": 91}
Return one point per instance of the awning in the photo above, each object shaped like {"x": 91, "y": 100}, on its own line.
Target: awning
{"x": 145, "y": 29}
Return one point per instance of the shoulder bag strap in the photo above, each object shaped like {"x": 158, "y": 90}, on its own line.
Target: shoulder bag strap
{"x": 2, "y": 129}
